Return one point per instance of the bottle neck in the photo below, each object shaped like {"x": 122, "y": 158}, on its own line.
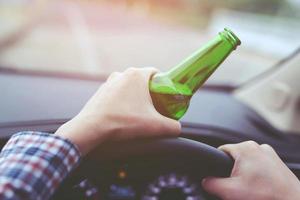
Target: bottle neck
{"x": 197, "y": 68}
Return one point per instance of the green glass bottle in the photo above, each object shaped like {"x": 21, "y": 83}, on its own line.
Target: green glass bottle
{"x": 171, "y": 91}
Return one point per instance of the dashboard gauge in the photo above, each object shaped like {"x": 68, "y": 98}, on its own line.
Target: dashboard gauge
{"x": 89, "y": 190}
{"x": 173, "y": 186}
{"x": 120, "y": 192}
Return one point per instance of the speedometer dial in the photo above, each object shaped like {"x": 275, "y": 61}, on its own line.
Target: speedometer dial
{"x": 171, "y": 187}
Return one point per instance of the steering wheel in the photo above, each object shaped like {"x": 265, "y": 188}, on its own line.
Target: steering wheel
{"x": 203, "y": 160}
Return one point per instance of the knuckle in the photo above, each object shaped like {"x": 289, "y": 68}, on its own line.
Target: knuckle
{"x": 267, "y": 147}
{"x": 153, "y": 69}
{"x": 248, "y": 148}
{"x": 133, "y": 72}
{"x": 251, "y": 144}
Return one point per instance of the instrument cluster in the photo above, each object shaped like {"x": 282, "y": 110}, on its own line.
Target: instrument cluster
{"x": 167, "y": 186}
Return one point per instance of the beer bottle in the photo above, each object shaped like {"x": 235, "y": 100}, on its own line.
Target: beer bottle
{"x": 171, "y": 91}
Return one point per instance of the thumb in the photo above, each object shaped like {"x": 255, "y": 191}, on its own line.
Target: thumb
{"x": 166, "y": 126}
{"x": 220, "y": 187}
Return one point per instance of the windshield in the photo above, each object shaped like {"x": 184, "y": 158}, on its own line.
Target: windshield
{"x": 99, "y": 37}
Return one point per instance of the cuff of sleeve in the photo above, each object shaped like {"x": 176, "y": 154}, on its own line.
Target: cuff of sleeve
{"x": 45, "y": 141}
{"x": 46, "y": 158}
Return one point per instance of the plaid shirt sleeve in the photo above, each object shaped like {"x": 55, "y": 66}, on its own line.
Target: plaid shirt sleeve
{"x": 33, "y": 164}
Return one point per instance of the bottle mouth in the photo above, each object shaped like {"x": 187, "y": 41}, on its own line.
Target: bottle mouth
{"x": 231, "y": 37}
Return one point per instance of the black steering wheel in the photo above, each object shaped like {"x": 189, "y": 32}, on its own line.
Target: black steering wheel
{"x": 203, "y": 160}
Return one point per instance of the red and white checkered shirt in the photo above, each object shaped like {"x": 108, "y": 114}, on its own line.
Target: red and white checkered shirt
{"x": 33, "y": 164}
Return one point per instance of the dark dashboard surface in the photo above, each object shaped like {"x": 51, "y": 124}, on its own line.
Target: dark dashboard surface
{"x": 215, "y": 117}
{"x": 43, "y": 103}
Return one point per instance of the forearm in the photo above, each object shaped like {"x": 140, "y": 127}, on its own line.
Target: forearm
{"x": 32, "y": 165}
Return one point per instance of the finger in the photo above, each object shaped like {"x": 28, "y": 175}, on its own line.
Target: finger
{"x": 144, "y": 71}
{"x": 140, "y": 77}
{"x": 235, "y": 150}
{"x": 267, "y": 148}
{"x": 221, "y": 187}
{"x": 230, "y": 149}
{"x": 170, "y": 127}
{"x": 150, "y": 71}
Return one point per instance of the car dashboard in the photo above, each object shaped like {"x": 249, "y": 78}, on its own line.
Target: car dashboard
{"x": 215, "y": 117}
{"x": 146, "y": 179}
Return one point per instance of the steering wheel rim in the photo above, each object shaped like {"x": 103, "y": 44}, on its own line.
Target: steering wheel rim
{"x": 213, "y": 161}
{"x": 219, "y": 162}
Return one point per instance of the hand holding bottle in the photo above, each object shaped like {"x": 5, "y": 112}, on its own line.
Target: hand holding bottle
{"x": 258, "y": 174}
{"x": 121, "y": 109}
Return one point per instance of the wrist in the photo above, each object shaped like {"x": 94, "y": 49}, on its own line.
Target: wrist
{"x": 84, "y": 132}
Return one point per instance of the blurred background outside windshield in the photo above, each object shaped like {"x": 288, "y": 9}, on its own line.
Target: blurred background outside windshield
{"x": 97, "y": 37}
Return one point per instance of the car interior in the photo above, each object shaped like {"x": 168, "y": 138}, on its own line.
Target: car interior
{"x": 265, "y": 107}
{"x": 167, "y": 168}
